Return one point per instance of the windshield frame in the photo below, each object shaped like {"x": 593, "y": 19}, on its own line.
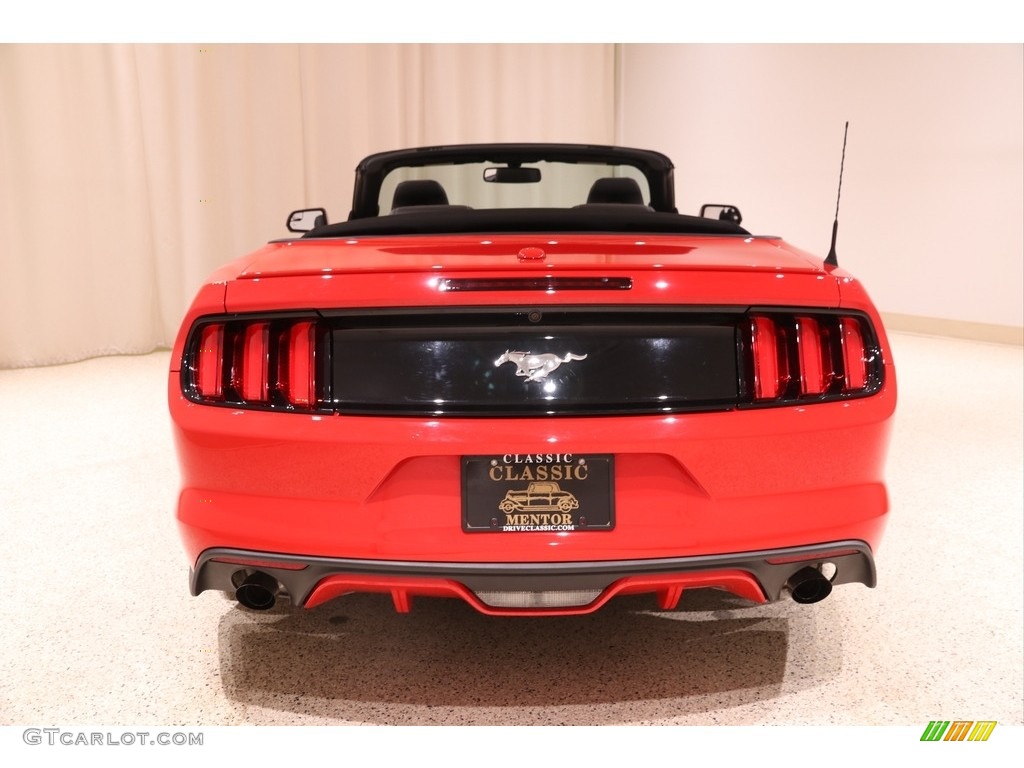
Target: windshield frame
{"x": 656, "y": 168}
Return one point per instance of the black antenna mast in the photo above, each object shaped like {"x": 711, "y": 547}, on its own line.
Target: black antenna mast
{"x": 831, "y": 259}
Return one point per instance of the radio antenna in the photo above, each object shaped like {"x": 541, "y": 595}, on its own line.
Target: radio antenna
{"x": 831, "y": 259}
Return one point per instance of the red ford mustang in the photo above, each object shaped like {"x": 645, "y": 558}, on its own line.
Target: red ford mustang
{"x": 515, "y": 375}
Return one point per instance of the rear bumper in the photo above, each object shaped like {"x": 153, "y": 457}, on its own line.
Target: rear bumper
{"x": 511, "y": 589}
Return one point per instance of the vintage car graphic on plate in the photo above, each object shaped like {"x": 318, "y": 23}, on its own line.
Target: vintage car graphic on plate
{"x": 539, "y": 497}
{"x": 393, "y": 403}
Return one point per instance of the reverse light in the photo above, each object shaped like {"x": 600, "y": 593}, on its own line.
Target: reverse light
{"x": 261, "y": 363}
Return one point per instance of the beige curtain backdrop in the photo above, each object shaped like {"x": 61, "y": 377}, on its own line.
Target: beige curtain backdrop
{"x": 129, "y": 172}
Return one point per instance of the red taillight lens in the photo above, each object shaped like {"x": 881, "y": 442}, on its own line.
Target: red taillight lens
{"x": 301, "y": 386}
{"x": 249, "y": 352}
{"x": 809, "y": 346}
{"x": 827, "y": 355}
{"x": 209, "y": 366}
{"x": 855, "y": 363}
{"x": 261, "y": 363}
{"x": 768, "y": 382}
{"x": 255, "y": 362}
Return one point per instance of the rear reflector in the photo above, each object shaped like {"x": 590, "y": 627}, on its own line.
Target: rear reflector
{"x": 816, "y": 556}
{"x": 284, "y": 565}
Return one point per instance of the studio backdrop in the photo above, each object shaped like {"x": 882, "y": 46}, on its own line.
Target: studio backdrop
{"x": 129, "y": 172}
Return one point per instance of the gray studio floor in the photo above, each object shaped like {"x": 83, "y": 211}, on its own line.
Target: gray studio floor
{"x": 99, "y": 628}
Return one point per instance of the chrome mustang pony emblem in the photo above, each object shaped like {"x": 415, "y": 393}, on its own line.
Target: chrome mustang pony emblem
{"x": 535, "y": 367}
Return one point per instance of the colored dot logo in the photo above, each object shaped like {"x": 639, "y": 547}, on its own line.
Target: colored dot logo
{"x": 958, "y": 730}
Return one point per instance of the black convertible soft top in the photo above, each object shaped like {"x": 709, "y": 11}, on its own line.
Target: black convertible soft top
{"x": 597, "y": 218}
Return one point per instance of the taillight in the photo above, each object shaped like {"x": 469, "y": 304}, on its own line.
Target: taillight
{"x": 811, "y": 356}
{"x": 250, "y": 375}
{"x": 257, "y": 363}
{"x": 770, "y": 378}
{"x": 209, "y": 378}
{"x": 300, "y": 388}
{"x": 815, "y": 373}
{"x": 855, "y": 359}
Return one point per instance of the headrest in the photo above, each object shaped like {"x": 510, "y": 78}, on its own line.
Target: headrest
{"x": 419, "y": 192}
{"x": 616, "y": 190}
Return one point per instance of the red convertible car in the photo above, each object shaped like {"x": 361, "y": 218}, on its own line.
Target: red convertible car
{"x": 375, "y": 405}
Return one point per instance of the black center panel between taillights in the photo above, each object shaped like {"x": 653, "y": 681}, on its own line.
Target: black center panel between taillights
{"x": 517, "y": 362}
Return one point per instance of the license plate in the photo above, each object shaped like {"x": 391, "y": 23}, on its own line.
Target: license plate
{"x": 538, "y": 492}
